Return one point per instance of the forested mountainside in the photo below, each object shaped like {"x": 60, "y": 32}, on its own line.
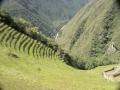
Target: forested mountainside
{"x": 93, "y": 34}
{"x": 46, "y": 14}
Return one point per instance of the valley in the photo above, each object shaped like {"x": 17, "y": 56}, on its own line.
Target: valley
{"x": 83, "y": 54}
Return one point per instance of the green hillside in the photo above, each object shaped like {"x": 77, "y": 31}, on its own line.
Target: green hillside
{"x": 89, "y": 34}
{"x": 28, "y": 64}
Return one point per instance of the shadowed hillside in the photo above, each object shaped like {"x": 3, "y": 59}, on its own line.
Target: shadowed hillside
{"x": 45, "y": 14}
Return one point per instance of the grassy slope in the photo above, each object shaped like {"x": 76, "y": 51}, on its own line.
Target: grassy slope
{"x": 41, "y": 69}
{"x": 90, "y": 22}
{"x": 28, "y": 73}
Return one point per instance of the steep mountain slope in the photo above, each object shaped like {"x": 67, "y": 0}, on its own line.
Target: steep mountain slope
{"x": 28, "y": 64}
{"x": 46, "y": 14}
{"x": 92, "y": 30}
{"x": 22, "y": 9}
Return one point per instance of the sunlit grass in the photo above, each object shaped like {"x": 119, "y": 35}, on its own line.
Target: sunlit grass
{"x": 29, "y": 73}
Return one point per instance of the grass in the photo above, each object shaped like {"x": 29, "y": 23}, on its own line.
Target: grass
{"x": 28, "y": 73}
{"x": 41, "y": 69}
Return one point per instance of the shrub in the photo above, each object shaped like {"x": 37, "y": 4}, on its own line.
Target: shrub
{"x": 87, "y": 63}
{"x": 77, "y": 34}
{"x": 101, "y": 40}
{"x": 32, "y": 31}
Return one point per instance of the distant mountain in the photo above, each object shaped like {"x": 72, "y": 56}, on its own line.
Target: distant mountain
{"x": 46, "y": 14}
